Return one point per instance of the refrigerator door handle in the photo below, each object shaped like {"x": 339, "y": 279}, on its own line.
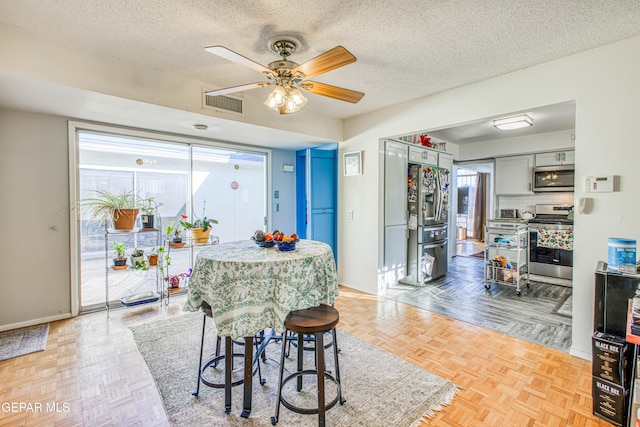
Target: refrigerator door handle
{"x": 439, "y": 196}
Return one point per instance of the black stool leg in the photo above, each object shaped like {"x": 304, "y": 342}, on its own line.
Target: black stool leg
{"x": 228, "y": 367}
{"x": 320, "y": 370}
{"x": 300, "y": 360}
{"x": 263, "y": 381}
{"x": 274, "y": 419}
{"x": 204, "y": 325}
{"x": 335, "y": 358}
{"x": 218, "y": 343}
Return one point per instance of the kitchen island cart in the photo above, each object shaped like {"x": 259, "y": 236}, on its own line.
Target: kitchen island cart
{"x": 506, "y": 254}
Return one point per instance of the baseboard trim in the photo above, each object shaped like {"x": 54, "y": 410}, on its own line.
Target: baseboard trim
{"x": 34, "y": 322}
{"x": 579, "y": 353}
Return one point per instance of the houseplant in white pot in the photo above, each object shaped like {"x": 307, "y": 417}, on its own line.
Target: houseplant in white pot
{"x": 137, "y": 256}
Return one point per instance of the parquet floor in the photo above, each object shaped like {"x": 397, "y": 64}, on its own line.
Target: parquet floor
{"x": 92, "y": 370}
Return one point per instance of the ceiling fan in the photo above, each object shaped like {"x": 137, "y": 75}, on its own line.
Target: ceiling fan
{"x": 288, "y": 77}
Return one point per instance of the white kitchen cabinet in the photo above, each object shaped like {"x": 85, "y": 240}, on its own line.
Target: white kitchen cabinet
{"x": 395, "y": 183}
{"x": 555, "y": 158}
{"x": 445, "y": 161}
{"x": 514, "y": 175}
{"x": 395, "y": 253}
{"x": 423, "y": 156}
{"x": 395, "y": 212}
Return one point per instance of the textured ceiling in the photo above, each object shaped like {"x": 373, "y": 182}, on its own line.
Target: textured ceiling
{"x": 404, "y": 49}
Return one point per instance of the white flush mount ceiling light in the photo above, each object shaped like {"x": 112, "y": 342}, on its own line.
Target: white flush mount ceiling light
{"x": 515, "y": 122}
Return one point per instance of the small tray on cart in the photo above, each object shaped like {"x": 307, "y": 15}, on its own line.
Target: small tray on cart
{"x": 141, "y": 298}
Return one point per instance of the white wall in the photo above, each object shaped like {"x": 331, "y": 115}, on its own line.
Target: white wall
{"x": 34, "y": 195}
{"x": 603, "y": 82}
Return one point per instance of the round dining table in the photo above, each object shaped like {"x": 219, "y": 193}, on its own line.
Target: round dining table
{"x": 251, "y": 289}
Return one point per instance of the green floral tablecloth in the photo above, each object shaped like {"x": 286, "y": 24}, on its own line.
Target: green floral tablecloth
{"x": 251, "y": 288}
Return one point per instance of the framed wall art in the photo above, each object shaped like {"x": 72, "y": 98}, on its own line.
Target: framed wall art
{"x": 353, "y": 163}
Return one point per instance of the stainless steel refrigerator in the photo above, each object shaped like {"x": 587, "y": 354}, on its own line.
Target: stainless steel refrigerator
{"x": 427, "y": 200}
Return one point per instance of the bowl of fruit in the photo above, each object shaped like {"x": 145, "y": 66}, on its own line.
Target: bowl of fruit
{"x": 262, "y": 239}
{"x": 285, "y": 243}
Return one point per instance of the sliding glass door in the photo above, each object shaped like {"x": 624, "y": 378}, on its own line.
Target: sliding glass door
{"x": 225, "y": 184}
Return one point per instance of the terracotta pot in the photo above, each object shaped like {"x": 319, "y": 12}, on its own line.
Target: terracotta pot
{"x": 125, "y": 219}
{"x": 200, "y": 236}
{"x": 153, "y": 259}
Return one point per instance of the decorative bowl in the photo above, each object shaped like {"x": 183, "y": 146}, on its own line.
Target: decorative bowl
{"x": 286, "y": 246}
{"x": 266, "y": 243}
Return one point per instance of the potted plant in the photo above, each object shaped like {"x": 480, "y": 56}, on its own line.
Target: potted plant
{"x": 200, "y": 228}
{"x": 119, "y": 250}
{"x": 119, "y": 208}
{"x": 153, "y": 257}
{"x": 173, "y": 233}
{"x": 137, "y": 256}
{"x": 149, "y": 207}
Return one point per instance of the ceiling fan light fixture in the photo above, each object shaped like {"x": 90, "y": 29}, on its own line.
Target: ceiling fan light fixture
{"x": 297, "y": 97}
{"x": 276, "y": 98}
{"x": 515, "y": 122}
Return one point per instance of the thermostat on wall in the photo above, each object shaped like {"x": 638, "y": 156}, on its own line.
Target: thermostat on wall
{"x": 602, "y": 184}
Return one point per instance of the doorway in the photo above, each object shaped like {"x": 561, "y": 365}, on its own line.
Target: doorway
{"x": 316, "y": 194}
{"x": 474, "y": 207}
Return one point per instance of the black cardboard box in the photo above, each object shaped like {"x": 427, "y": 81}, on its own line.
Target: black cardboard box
{"x": 612, "y": 359}
{"x": 609, "y": 401}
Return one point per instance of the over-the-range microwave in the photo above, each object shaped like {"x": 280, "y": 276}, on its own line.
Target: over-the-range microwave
{"x": 553, "y": 178}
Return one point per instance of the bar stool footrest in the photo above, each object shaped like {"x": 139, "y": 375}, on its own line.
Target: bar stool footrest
{"x": 299, "y": 410}
{"x": 213, "y": 362}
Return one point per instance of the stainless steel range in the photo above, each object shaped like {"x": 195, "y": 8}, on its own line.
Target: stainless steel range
{"x": 551, "y": 241}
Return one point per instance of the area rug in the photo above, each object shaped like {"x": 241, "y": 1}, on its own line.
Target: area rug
{"x": 23, "y": 341}
{"x": 565, "y": 307}
{"x": 380, "y": 389}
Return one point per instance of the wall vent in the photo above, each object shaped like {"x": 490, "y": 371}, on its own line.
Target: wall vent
{"x": 227, "y": 104}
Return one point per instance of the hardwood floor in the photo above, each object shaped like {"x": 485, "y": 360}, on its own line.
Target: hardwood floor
{"x": 92, "y": 365}
{"x": 462, "y": 295}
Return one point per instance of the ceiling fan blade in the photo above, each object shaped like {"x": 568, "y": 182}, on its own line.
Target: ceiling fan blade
{"x": 232, "y": 56}
{"x": 330, "y": 60}
{"x": 334, "y": 92}
{"x": 233, "y": 89}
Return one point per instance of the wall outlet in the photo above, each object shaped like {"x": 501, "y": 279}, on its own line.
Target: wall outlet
{"x": 349, "y": 214}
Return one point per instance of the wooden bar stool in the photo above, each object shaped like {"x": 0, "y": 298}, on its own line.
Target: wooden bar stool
{"x": 316, "y": 321}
